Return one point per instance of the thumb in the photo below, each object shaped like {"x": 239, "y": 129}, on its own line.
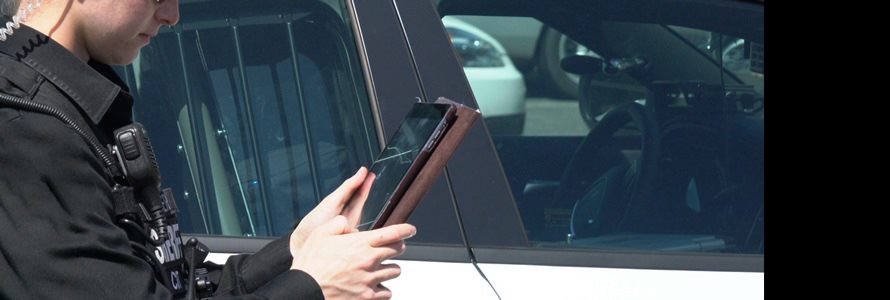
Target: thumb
{"x": 334, "y": 202}
{"x": 335, "y": 226}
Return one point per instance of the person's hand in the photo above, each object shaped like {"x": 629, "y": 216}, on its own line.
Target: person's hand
{"x": 347, "y": 264}
{"x": 331, "y": 206}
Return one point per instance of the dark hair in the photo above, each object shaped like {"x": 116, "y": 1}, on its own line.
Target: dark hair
{"x": 8, "y": 7}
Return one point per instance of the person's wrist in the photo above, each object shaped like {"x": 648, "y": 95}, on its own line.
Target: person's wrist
{"x": 295, "y": 246}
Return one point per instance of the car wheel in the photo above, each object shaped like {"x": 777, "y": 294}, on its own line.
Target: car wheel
{"x": 552, "y": 48}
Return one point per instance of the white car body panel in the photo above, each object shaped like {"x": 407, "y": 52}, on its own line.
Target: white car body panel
{"x": 426, "y": 280}
{"x": 443, "y": 280}
{"x": 439, "y": 280}
{"x": 549, "y": 282}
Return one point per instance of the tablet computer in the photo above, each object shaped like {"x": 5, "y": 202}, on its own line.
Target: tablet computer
{"x": 429, "y": 131}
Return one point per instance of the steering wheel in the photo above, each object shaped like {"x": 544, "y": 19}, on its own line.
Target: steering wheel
{"x": 600, "y": 186}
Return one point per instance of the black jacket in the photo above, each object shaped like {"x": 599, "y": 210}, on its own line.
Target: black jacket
{"x": 57, "y": 235}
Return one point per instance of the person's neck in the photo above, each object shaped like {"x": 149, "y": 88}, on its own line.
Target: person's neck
{"x": 54, "y": 22}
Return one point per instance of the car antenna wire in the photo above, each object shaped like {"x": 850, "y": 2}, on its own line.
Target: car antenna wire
{"x": 463, "y": 235}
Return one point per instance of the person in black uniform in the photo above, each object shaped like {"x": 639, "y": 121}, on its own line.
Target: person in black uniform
{"x": 58, "y": 237}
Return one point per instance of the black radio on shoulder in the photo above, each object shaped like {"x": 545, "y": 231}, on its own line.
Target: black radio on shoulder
{"x": 148, "y": 213}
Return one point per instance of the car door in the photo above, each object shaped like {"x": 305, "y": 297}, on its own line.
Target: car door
{"x": 650, "y": 185}
{"x": 259, "y": 110}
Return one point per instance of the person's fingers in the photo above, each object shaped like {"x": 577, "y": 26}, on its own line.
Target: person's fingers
{"x": 389, "y": 234}
{"x": 381, "y": 292}
{"x": 353, "y": 210}
{"x": 335, "y": 226}
{"x": 337, "y": 199}
{"x": 386, "y": 272}
{"x": 331, "y": 206}
{"x": 388, "y": 251}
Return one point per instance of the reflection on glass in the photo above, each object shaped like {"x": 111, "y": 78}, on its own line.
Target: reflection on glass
{"x": 395, "y": 163}
{"x": 252, "y": 137}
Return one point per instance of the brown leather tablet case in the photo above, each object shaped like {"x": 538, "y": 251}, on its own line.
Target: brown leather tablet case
{"x": 465, "y": 118}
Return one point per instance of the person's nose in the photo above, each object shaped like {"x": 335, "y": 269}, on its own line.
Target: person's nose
{"x": 168, "y": 12}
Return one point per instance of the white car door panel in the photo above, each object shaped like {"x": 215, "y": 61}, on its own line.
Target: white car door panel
{"x": 426, "y": 280}
{"x": 549, "y": 282}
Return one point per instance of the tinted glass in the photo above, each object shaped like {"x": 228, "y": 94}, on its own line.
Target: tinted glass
{"x": 257, "y": 111}
{"x": 642, "y": 134}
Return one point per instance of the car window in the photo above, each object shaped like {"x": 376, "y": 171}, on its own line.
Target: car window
{"x": 622, "y": 134}
{"x": 256, "y": 111}
{"x": 515, "y": 80}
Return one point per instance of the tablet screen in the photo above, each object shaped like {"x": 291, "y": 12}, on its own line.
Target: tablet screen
{"x": 394, "y": 168}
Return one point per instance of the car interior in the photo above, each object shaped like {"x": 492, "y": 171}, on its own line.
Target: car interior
{"x": 673, "y": 160}
{"x": 265, "y": 81}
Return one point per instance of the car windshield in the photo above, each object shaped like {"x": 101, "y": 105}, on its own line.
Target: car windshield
{"x": 670, "y": 64}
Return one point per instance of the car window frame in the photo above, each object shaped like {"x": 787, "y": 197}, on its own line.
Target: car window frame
{"x": 486, "y": 237}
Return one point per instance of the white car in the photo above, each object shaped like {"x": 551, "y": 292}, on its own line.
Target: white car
{"x": 257, "y": 111}
{"x": 497, "y": 84}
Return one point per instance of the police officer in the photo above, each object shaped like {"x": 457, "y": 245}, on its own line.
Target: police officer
{"x": 58, "y": 237}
